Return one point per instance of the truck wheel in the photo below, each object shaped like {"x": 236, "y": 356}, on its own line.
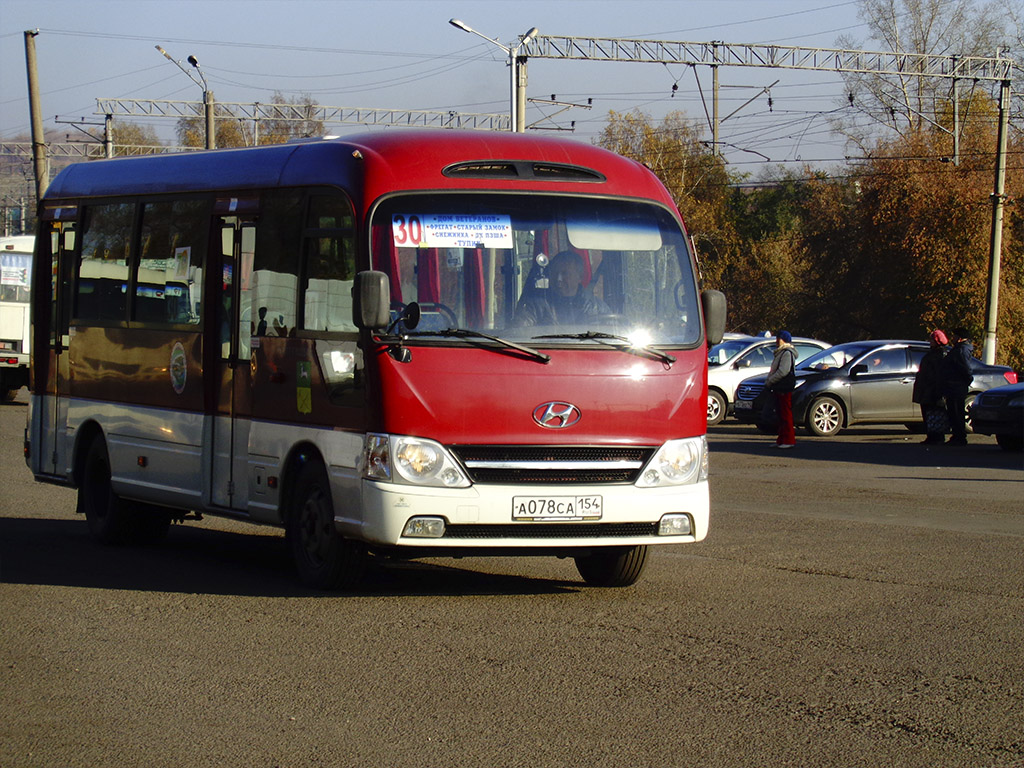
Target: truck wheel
{"x": 323, "y": 559}
{"x": 106, "y": 514}
{"x": 613, "y": 567}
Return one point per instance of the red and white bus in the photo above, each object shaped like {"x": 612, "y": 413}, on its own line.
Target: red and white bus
{"x": 404, "y": 344}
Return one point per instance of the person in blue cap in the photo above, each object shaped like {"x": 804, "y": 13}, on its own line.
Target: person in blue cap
{"x": 782, "y": 381}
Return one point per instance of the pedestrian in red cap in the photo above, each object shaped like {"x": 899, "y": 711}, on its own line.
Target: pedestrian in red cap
{"x": 928, "y": 389}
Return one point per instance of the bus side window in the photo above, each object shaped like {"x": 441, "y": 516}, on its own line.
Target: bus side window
{"x": 172, "y": 251}
{"x": 275, "y": 265}
{"x": 102, "y": 280}
{"x": 330, "y": 264}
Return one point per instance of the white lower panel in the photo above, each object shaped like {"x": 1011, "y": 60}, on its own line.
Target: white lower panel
{"x": 387, "y": 508}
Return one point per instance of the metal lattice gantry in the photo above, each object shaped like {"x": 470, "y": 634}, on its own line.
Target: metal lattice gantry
{"x": 412, "y": 118}
{"x": 772, "y": 56}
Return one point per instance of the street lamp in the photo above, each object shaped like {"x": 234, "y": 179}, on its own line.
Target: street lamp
{"x": 207, "y": 94}
{"x": 517, "y": 90}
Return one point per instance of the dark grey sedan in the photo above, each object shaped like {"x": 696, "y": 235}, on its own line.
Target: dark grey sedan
{"x": 1000, "y": 412}
{"x": 860, "y": 382}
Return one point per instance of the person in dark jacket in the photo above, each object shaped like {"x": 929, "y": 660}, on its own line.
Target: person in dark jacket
{"x": 928, "y": 389}
{"x": 780, "y": 381}
{"x": 957, "y": 375}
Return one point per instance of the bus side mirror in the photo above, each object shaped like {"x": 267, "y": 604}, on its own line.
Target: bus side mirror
{"x": 371, "y": 300}
{"x": 713, "y": 303}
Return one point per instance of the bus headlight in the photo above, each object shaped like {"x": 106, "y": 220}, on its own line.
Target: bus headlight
{"x": 412, "y": 460}
{"x": 677, "y": 462}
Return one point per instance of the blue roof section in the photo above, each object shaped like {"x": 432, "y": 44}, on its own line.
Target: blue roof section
{"x": 278, "y": 165}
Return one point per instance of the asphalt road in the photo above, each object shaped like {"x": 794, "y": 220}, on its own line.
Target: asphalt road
{"x": 859, "y": 602}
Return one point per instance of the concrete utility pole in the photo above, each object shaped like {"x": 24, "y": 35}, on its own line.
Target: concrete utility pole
{"x": 718, "y": 54}
{"x": 39, "y": 164}
{"x": 996, "y": 247}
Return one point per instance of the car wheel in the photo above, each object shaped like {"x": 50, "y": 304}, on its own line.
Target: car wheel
{"x": 825, "y": 417}
{"x": 716, "y": 407}
{"x": 967, "y": 412}
{"x": 613, "y": 567}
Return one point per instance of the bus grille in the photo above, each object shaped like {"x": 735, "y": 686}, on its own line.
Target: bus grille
{"x": 551, "y": 531}
{"x": 519, "y": 464}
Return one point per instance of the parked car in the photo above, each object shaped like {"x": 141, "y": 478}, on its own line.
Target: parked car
{"x": 1000, "y": 412}
{"x": 860, "y": 382}
{"x": 738, "y": 357}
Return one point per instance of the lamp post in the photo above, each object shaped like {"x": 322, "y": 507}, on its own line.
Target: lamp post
{"x": 517, "y": 89}
{"x": 211, "y": 142}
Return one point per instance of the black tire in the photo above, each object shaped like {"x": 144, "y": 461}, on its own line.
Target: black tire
{"x": 825, "y": 417}
{"x": 111, "y": 519}
{"x": 613, "y": 567}
{"x": 108, "y": 517}
{"x": 1013, "y": 443}
{"x": 716, "y": 407}
{"x": 323, "y": 559}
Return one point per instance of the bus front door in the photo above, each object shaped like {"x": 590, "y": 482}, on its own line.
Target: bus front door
{"x": 230, "y": 443}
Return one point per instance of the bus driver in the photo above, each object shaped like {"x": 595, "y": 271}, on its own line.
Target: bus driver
{"x": 565, "y": 300}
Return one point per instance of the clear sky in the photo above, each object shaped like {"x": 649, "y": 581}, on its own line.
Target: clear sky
{"x": 403, "y": 54}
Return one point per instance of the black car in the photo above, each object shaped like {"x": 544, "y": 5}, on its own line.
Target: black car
{"x": 860, "y": 382}
{"x": 1000, "y": 412}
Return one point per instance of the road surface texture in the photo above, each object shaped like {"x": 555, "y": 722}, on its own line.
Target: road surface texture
{"x": 858, "y": 602}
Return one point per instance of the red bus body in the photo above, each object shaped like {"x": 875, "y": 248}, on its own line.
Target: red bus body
{"x": 202, "y": 344}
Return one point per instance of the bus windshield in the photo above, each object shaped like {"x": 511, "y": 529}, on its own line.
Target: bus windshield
{"x": 532, "y": 266}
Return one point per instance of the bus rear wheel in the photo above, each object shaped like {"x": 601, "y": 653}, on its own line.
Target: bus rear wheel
{"x": 111, "y": 519}
{"x": 106, "y": 514}
{"x": 612, "y": 567}
{"x": 323, "y": 559}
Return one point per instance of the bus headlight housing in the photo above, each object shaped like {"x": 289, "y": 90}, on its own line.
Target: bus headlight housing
{"x": 677, "y": 462}
{"x": 411, "y": 460}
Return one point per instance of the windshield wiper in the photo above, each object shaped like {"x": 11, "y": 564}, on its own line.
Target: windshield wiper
{"x": 599, "y": 336}
{"x": 465, "y": 333}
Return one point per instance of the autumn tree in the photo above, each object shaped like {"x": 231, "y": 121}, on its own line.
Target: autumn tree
{"x": 134, "y": 139}
{"x": 901, "y": 245}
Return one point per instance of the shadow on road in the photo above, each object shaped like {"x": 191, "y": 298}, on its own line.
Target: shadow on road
{"x": 196, "y": 560}
{"x": 879, "y": 447}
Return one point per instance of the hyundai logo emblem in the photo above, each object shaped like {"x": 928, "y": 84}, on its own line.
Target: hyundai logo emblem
{"x": 556, "y": 415}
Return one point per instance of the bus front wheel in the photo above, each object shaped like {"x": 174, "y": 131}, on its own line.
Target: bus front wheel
{"x": 323, "y": 559}
{"x": 613, "y": 567}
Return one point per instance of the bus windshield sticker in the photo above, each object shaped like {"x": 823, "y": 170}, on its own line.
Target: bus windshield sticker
{"x": 457, "y": 230}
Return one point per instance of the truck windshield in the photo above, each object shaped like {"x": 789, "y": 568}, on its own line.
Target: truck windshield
{"x": 529, "y": 266}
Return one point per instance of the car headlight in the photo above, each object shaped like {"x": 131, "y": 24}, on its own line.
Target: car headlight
{"x": 411, "y": 460}
{"x": 1017, "y": 402}
{"x": 677, "y": 462}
